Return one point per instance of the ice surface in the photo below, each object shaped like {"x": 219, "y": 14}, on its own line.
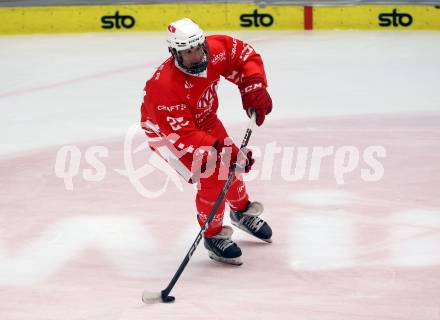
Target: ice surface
{"x": 350, "y": 241}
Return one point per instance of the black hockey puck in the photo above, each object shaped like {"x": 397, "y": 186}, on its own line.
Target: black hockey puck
{"x": 168, "y": 299}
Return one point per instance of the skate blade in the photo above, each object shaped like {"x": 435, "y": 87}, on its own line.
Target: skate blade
{"x": 233, "y": 261}
{"x": 239, "y": 226}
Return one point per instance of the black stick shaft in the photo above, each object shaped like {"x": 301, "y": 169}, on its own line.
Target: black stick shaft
{"x": 218, "y": 202}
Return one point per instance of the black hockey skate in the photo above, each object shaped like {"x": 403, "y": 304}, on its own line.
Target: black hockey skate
{"x": 249, "y": 221}
{"x": 222, "y": 249}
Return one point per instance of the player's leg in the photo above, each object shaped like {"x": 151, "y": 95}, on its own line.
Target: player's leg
{"x": 217, "y": 238}
{"x": 244, "y": 214}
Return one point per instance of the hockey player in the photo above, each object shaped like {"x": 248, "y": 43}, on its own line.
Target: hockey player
{"x": 179, "y": 118}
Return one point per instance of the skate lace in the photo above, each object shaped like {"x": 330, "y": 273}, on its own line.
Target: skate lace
{"x": 223, "y": 244}
{"x": 253, "y": 223}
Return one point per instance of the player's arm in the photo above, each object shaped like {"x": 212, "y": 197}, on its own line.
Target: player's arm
{"x": 245, "y": 68}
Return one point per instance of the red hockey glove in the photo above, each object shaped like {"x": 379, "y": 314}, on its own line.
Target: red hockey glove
{"x": 243, "y": 159}
{"x": 223, "y": 155}
{"x": 255, "y": 96}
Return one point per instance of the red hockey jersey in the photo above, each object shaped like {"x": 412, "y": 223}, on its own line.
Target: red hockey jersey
{"x": 182, "y": 108}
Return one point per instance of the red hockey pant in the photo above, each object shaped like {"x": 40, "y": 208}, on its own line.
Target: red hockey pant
{"x": 209, "y": 187}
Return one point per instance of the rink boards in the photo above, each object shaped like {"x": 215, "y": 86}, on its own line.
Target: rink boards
{"x": 214, "y": 16}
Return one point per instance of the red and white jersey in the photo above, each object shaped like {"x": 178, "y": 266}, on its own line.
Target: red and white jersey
{"x": 184, "y": 106}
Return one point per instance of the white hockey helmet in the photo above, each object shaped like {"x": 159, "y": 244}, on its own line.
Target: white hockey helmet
{"x": 185, "y": 34}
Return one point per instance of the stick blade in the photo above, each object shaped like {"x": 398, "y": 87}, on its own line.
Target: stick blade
{"x": 151, "y": 297}
{"x": 155, "y": 297}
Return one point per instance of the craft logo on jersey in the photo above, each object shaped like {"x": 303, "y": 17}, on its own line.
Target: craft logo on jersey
{"x": 177, "y": 107}
{"x": 118, "y": 21}
{"x": 208, "y": 97}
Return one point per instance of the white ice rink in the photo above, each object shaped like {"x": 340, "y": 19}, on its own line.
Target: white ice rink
{"x": 89, "y": 218}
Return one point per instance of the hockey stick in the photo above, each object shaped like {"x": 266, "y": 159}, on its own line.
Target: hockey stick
{"x": 152, "y": 297}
